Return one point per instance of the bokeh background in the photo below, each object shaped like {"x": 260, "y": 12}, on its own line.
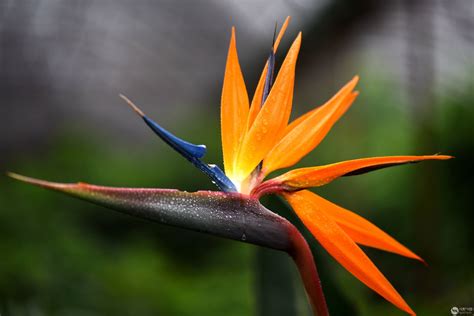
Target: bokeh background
{"x": 62, "y": 66}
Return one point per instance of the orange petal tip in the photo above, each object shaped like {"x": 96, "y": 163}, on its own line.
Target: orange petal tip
{"x": 234, "y": 107}
{"x": 272, "y": 118}
{"x": 322, "y": 175}
{"x": 342, "y": 247}
{"x": 306, "y": 132}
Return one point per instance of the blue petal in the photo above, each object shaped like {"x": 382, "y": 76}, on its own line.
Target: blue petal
{"x": 221, "y": 179}
{"x": 193, "y": 153}
{"x": 183, "y": 147}
{"x": 217, "y": 176}
{"x": 269, "y": 76}
{"x": 190, "y": 151}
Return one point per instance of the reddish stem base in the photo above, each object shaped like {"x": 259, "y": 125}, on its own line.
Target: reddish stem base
{"x": 301, "y": 254}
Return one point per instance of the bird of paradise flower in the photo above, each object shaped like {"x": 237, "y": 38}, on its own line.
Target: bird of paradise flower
{"x": 257, "y": 140}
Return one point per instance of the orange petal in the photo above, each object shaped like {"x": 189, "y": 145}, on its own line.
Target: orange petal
{"x": 341, "y": 92}
{"x": 361, "y": 230}
{"x": 342, "y": 247}
{"x": 281, "y": 33}
{"x": 234, "y": 107}
{"x": 272, "y": 117}
{"x": 257, "y": 97}
{"x": 306, "y": 132}
{"x": 321, "y": 175}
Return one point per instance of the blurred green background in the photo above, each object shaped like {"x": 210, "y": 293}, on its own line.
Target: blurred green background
{"x": 62, "y": 67}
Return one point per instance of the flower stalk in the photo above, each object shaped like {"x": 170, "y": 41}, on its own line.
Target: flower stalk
{"x": 303, "y": 258}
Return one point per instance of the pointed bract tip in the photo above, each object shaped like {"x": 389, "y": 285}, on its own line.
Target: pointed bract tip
{"x": 34, "y": 181}
{"x": 19, "y": 177}
{"x": 132, "y": 105}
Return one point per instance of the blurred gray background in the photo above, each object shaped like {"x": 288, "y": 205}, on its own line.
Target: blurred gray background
{"x": 64, "y": 63}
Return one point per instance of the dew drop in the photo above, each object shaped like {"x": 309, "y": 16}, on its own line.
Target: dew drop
{"x": 244, "y": 238}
